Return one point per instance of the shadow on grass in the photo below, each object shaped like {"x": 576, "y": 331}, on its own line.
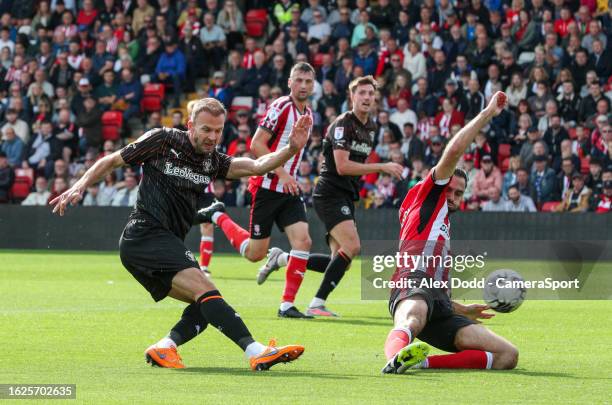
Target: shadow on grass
{"x": 282, "y": 373}
{"x": 356, "y": 321}
{"x": 277, "y": 372}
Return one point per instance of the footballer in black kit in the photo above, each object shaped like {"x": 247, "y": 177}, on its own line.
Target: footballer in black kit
{"x": 334, "y": 194}
{"x": 346, "y": 147}
{"x": 174, "y": 175}
{"x": 176, "y": 168}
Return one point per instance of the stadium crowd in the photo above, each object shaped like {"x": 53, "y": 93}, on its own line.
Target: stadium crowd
{"x": 65, "y": 64}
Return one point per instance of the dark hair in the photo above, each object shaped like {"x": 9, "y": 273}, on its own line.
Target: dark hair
{"x": 461, "y": 173}
{"x": 515, "y": 185}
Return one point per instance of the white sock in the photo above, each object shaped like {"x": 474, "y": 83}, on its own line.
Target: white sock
{"x": 283, "y": 259}
{"x": 317, "y": 302}
{"x": 166, "y": 343}
{"x": 285, "y": 305}
{"x": 216, "y": 216}
{"x": 254, "y": 349}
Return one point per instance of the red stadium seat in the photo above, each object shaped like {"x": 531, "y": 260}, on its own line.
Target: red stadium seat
{"x": 503, "y": 152}
{"x": 505, "y": 164}
{"x": 112, "y": 122}
{"x": 550, "y": 206}
{"x": 256, "y": 22}
{"x": 584, "y": 165}
{"x": 153, "y": 97}
{"x": 21, "y": 188}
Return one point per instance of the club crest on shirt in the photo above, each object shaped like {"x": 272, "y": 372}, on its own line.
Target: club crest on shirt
{"x": 190, "y": 255}
{"x": 345, "y": 210}
{"x": 256, "y": 230}
{"x": 208, "y": 165}
{"x": 372, "y": 135}
{"x": 339, "y": 133}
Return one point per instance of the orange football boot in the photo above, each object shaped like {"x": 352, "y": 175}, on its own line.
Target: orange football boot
{"x": 273, "y": 355}
{"x": 164, "y": 357}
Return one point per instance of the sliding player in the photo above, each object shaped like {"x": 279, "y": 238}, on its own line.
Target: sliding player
{"x": 346, "y": 147}
{"x": 176, "y": 166}
{"x": 428, "y": 313}
{"x": 276, "y": 195}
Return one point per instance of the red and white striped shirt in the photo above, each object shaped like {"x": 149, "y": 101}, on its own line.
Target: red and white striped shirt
{"x": 425, "y": 229}
{"x": 279, "y": 120}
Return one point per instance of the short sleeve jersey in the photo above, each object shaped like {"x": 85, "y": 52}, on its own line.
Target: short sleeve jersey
{"x": 173, "y": 176}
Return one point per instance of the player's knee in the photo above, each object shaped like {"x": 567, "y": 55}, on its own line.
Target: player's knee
{"x": 506, "y": 359}
{"x": 255, "y": 255}
{"x": 352, "y": 248}
{"x": 303, "y": 243}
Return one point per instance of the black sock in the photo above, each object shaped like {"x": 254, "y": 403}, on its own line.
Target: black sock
{"x": 333, "y": 274}
{"x": 223, "y": 317}
{"x": 191, "y": 324}
{"x": 318, "y": 262}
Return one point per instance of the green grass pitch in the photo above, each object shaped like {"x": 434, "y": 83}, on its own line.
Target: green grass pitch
{"x": 81, "y": 318}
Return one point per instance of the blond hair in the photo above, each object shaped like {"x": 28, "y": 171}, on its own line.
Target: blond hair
{"x": 208, "y": 104}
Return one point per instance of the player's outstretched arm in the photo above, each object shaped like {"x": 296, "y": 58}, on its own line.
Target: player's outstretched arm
{"x": 346, "y": 167}
{"x": 243, "y": 167}
{"x": 95, "y": 173}
{"x": 459, "y": 143}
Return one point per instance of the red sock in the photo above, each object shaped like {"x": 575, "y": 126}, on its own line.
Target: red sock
{"x": 206, "y": 250}
{"x": 296, "y": 267}
{"x": 235, "y": 234}
{"x": 464, "y": 359}
{"x": 397, "y": 339}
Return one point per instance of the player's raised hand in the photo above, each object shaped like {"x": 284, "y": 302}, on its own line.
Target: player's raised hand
{"x": 71, "y": 196}
{"x": 393, "y": 169}
{"x": 498, "y": 102}
{"x": 299, "y": 133}
{"x": 476, "y": 312}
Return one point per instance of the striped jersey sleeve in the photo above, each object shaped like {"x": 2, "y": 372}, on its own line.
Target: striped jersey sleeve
{"x": 144, "y": 148}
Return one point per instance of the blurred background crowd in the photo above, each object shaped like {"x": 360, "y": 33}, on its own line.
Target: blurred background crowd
{"x": 81, "y": 78}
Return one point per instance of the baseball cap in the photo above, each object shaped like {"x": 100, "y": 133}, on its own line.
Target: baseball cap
{"x": 533, "y": 128}
{"x": 468, "y": 157}
{"x": 218, "y": 74}
{"x": 437, "y": 139}
{"x": 486, "y": 158}
{"x": 451, "y": 82}
{"x": 84, "y": 82}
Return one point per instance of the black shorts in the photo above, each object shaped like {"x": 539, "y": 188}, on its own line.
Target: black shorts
{"x": 205, "y": 199}
{"x": 334, "y": 209}
{"x": 153, "y": 255}
{"x": 271, "y": 207}
{"x": 442, "y": 323}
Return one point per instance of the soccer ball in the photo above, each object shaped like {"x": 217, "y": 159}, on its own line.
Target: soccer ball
{"x": 499, "y": 295}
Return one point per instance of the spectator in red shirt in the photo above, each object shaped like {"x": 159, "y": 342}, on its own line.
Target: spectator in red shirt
{"x": 448, "y": 117}
{"x": 87, "y": 15}
{"x": 244, "y": 136}
{"x": 561, "y": 24}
